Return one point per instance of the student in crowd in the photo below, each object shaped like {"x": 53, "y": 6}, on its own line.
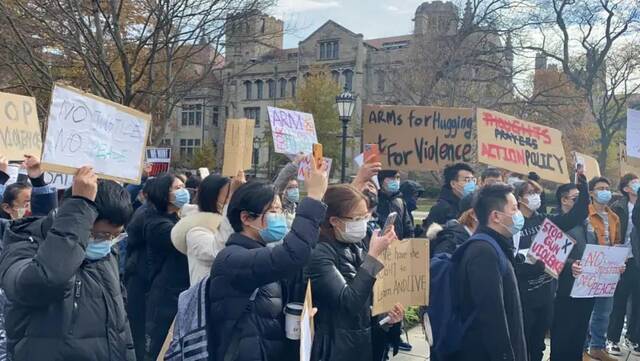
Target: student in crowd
{"x": 411, "y": 192}
{"x": 390, "y": 200}
{"x": 342, "y": 272}
{"x": 490, "y": 176}
{"x": 136, "y": 272}
{"x": 606, "y": 225}
{"x": 193, "y": 180}
{"x": 543, "y": 198}
{"x": 287, "y": 186}
{"x": 23, "y": 199}
{"x": 168, "y": 271}
{"x": 496, "y": 330}
{"x": 246, "y": 298}
{"x": 457, "y": 231}
{"x": 61, "y": 278}
{"x": 135, "y": 190}
{"x": 459, "y": 181}
{"x": 571, "y": 315}
{"x": 202, "y": 235}
{"x": 629, "y": 286}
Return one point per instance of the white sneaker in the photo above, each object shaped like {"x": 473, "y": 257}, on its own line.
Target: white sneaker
{"x": 613, "y": 348}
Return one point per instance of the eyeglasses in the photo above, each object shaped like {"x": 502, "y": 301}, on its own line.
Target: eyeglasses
{"x": 359, "y": 218}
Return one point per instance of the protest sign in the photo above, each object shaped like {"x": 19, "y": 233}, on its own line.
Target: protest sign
{"x": 520, "y": 146}
{"x": 589, "y": 165}
{"x": 305, "y": 166}
{"x": 19, "y": 127}
{"x": 550, "y": 246}
{"x": 159, "y": 159}
{"x": 58, "y": 180}
{"x": 238, "y": 146}
{"x": 293, "y": 132}
{"x": 12, "y": 171}
{"x": 84, "y": 129}
{"x": 633, "y": 133}
{"x": 204, "y": 172}
{"x": 419, "y": 138}
{"x": 600, "y": 271}
{"x": 306, "y": 325}
{"x": 405, "y": 277}
{"x": 627, "y": 164}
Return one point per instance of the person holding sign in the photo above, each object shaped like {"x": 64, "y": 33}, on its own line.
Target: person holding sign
{"x": 61, "y": 277}
{"x": 246, "y": 296}
{"x": 390, "y": 200}
{"x": 342, "y": 272}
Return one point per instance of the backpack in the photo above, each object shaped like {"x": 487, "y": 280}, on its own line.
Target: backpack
{"x": 447, "y": 323}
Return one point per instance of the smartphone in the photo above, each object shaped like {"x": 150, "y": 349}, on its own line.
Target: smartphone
{"x": 391, "y": 220}
{"x": 371, "y": 153}
{"x": 317, "y": 154}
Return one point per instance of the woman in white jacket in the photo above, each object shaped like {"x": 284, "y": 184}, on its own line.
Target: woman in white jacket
{"x": 202, "y": 234}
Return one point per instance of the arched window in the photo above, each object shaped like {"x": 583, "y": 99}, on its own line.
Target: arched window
{"x": 271, "y": 85}
{"x": 293, "y": 81}
{"x": 247, "y": 90}
{"x": 283, "y": 88}
{"x": 348, "y": 79}
{"x": 259, "y": 89}
{"x": 335, "y": 75}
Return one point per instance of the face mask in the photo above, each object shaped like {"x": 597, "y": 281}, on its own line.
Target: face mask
{"x": 97, "y": 249}
{"x": 293, "y": 195}
{"x": 182, "y": 197}
{"x": 517, "y": 220}
{"x": 22, "y": 212}
{"x": 635, "y": 187}
{"x": 534, "y": 202}
{"x": 354, "y": 231}
{"x": 276, "y": 228}
{"x": 393, "y": 186}
{"x": 468, "y": 188}
{"x": 603, "y": 197}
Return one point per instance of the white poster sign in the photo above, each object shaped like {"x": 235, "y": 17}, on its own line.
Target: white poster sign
{"x": 633, "y": 133}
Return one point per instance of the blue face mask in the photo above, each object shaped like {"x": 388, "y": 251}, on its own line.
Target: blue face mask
{"x": 97, "y": 249}
{"x": 293, "y": 195}
{"x": 276, "y": 228}
{"x": 182, "y": 197}
{"x": 603, "y": 197}
{"x": 518, "y": 223}
{"x": 469, "y": 188}
{"x": 393, "y": 186}
{"x": 635, "y": 187}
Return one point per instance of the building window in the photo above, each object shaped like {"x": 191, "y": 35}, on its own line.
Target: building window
{"x": 192, "y": 115}
{"x": 259, "y": 90}
{"x": 329, "y": 50}
{"x": 188, "y": 147}
{"x": 271, "y": 85}
{"x": 247, "y": 90}
{"x": 348, "y": 79}
{"x": 253, "y": 113}
{"x": 283, "y": 88}
{"x": 165, "y": 143}
{"x": 335, "y": 75}
{"x": 381, "y": 81}
{"x": 292, "y": 81}
{"x": 216, "y": 116}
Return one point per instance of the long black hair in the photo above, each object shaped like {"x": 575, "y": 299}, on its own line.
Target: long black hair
{"x": 253, "y": 197}
{"x": 208, "y": 192}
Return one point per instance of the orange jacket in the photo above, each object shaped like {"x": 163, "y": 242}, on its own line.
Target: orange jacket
{"x": 598, "y": 226}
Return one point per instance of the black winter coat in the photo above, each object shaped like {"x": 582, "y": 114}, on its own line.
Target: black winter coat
{"x": 245, "y": 265}
{"x": 446, "y": 209}
{"x": 136, "y": 262}
{"x": 342, "y": 277}
{"x": 62, "y": 307}
{"x": 394, "y": 203}
{"x": 449, "y": 238}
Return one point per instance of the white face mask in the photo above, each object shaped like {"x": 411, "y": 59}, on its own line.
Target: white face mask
{"x": 534, "y": 202}
{"x": 354, "y": 231}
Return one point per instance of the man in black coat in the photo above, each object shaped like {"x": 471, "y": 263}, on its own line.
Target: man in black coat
{"x": 496, "y": 331}
{"x": 390, "y": 200}
{"x": 459, "y": 181}
{"x": 61, "y": 278}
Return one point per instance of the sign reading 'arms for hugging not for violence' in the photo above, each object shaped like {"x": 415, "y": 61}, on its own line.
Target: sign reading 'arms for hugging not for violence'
{"x": 520, "y": 146}
{"x": 419, "y": 138}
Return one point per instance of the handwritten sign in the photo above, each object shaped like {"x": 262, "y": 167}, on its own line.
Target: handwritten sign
{"x": 419, "y": 138}
{"x": 84, "y": 129}
{"x": 238, "y": 146}
{"x": 19, "y": 127}
{"x": 293, "y": 132}
{"x": 520, "y": 146}
{"x": 633, "y": 133}
{"x": 405, "y": 277}
{"x": 552, "y": 247}
{"x": 305, "y": 166}
{"x": 160, "y": 160}
{"x": 600, "y": 271}
{"x": 306, "y": 325}
{"x": 588, "y": 163}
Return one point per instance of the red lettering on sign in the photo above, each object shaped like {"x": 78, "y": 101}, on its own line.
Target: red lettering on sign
{"x": 517, "y": 127}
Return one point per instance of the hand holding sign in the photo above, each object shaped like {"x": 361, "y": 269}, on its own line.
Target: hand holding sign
{"x": 85, "y": 184}
{"x": 32, "y": 164}
{"x": 316, "y": 180}
{"x": 551, "y": 247}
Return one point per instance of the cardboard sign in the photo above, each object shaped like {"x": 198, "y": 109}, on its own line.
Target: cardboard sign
{"x": 600, "y": 271}
{"x": 238, "y": 146}
{"x": 293, "y": 132}
{"x": 305, "y": 166}
{"x": 633, "y": 133}
{"x": 552, "y": 247}
{"x": 306, "y": 325}
{"x": 160, "y": 160}
{"x": 588, "y": 163}
{"x": 19, "y": 127}
{"x": 520, "y": 146}
{"x": 84, "y": 129}
{"x": 419, "y": 138}
{"x": 627, "y": 164}
{"x": 405, "y": 277}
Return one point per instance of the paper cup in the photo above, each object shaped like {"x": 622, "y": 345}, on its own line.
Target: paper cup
{"x": 292, "y": 320}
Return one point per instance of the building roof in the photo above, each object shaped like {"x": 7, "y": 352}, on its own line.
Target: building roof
{"x": 327, "y": 23}
{"x": 380, "y": 42}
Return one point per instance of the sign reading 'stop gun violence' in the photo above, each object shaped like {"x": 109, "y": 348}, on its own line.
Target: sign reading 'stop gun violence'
{"x": 521, "y": 146}
{"x": 419, "y": 138}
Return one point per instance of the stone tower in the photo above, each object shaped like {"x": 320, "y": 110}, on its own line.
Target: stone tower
{"x": 252, "y": 36}
{"x": 436, "y": 18}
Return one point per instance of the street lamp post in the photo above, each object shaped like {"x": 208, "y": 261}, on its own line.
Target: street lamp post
{"x": 346, "y": 102}
{"x": 256, "y": 151}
